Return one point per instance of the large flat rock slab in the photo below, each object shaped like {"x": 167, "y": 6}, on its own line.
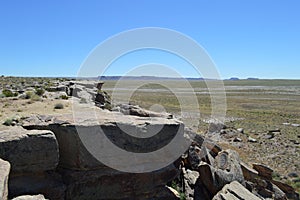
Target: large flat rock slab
{"x": 29, "y": 151}
{"x": 130, "y": 133}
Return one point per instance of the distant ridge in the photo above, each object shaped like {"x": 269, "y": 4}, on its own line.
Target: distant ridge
{"x": 105, "y": 78}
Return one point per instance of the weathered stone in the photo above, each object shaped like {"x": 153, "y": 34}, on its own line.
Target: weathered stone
{"x": 263, "y": 170}
{"x": 213, "y": 148}
{"x": 287, "y": 189}
{"x": 135, "y": 110}
{"x": 249, "y": 173}
{"x": 278, "y": 193}
{"x": 235, "y": 191}
{"x": 240, "y": 130}
{"x": 265, "y": 193}
{"x": 111, "y": 184}
{"x": 29, "y": 151}
{"x": 190, "y": 179}
{"x": 28, "y": 197}
{"x": 226, "y": 169}
{"x": 49, "y": 184}
{"x": 103, "y": 100}
{"x": 237, "y": 139}
{"x": 206, "y": 156}
{"x": 4, "y": 173}
{"x": 194, "y": 156}
{"x": 251, "y": 139}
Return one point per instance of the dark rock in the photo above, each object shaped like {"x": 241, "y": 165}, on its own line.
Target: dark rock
{"x": 287, "y": 189}
{"x": 249, "y": 173}
{"x": 103, "y": 100}
{"x": 237, "y": 139}
{"x": 99, "y": 85}
{"x": 263, "y": 170}
{"x": 50, "y": 184}
{"x": 194, "y": 156}
{"x": 293, "y": 175}
{"x": 106, "y": 183}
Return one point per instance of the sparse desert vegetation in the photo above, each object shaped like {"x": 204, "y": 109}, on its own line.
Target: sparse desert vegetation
{"x": 262, "y": 125}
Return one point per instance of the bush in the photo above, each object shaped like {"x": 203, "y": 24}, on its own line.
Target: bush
{"x": 8, "y": 93}
{"x": 29, "y": 94}
{"x": 39, "y": 91}
{"x": 58, "y": 106}
{"x": 35, "y": 97}
{"x": 82, "y": 100}
{"x": 8, "y": 122}
{"x": 65, "y": 97}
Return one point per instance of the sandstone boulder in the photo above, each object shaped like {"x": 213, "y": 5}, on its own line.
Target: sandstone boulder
{"x": 235, "y": 191}
{"x": 4, "y": 173}
{"x": 190, "y": 178}
{"x": 29, "y": 151}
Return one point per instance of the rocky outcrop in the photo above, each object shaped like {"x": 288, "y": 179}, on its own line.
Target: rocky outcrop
{"x": 4, "y": 172}
{"x": 235, "y": 191}
{"x": 49, "y": 156}
{"x": 208, "y": 172}
{"x": 86, "y": 177}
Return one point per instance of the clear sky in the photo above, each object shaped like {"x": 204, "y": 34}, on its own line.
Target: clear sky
{"x": 253, "y": 38}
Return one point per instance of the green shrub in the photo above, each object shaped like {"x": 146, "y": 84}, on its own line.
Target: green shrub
{"x": 65, "y": 97}
{"x": 82, "y": 100}
{"x": 8, "y": 122}
{"x": 35, "y": 97}
{"x": 29, "y": 94}
{"x": 39, "y": 91}
{"x": 7, "y": 93}
{"x": 58, "y": 106}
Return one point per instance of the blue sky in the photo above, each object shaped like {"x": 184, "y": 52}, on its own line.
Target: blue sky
{"x": 257, "y": 38}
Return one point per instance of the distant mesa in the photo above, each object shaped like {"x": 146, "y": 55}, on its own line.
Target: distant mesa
{"x": 252, "y": 78}
{"x": 234, "y": 79}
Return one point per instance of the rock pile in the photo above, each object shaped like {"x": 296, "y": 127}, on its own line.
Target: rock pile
{"x": 208, "y": 172}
